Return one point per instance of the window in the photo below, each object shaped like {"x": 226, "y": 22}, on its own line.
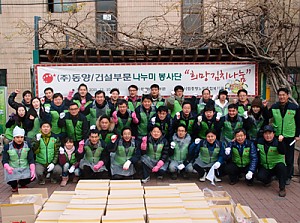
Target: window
{"x": 3, "y": 77}
{"x": 106, "y": 21}
{"x": 0, "y": 7}
{"x": 61, "y": 5}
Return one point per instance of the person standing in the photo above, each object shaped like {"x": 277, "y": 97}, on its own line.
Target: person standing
{"x": 286, "y": 123}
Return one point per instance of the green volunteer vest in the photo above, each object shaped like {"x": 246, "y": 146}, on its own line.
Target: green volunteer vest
{"x": 143, "y": 124}
{"x": 46, "y": 152}
{"x": 122, "y": 125}
{"x": 220, "y": 110}
{"x": 74, "y": 133}
{"x": 18, "y": 160}
{"x": 93, "y": 156}
{"x": 79, "y": 103}
{"x": 241, "y": 161}
{"x": 35, "y": 130}
{"x": 190, "y": 125}
{"x": 159, "y": 103}
{"x": 241, "y": 109}
{"x": 72, "y": 160}
{"x": 177, "y": 108}
{"x": 180, "y": 153}
{"x": 285, "y": 126}
{"x": 200, "y": 108}
{"x": 206, "y": 157}
{"x": 54, "y": 122}
{"x": 121, "y": 156}
{"x": 92, "y": 117}
{"x": 228, "y": 132}
{"x": 255, "y": 127}
{"x": 107, "y": 138}
{"x": 132, "y": 106}
{"x": 155, "y": 154}
{"x": 204, "y": 128}
{"x": 271, "y": 158}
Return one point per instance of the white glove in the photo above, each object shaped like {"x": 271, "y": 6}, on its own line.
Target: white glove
{"x": 199, "y": 119}
{"x": 153, "y": 119}
{"x": 217, "y": 165}
{"x": 47, "y": 109}
{"x": 126, "y": 165}
{"x": 181, "y": 166}
{"x": 126, "y": 98}
{"x": 38, "y": 136}
{"x": 172, "y": 93}
{"x": 178, "y": 115}
{"x": 197, "y": 140}
{"x": 72, "y": 169}
{"x": 93, "y": 127}
{"x": 219, "y": 115}
{"x": 62, "y": 115}
{"x": 249, "y": 175}
{"x": 196, "y": 94}
{"x": 227, "y": 151}
{"x": 245, "y": 114}
{"x": 61, "y": 150}
{"x": 173, "y": 144}
{"x": 214, "y": 97}
{"x": 50, "y": 167}
{"x": 145, "y": 91}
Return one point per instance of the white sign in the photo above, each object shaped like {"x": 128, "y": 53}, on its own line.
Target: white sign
{"x": 194, "y": 77}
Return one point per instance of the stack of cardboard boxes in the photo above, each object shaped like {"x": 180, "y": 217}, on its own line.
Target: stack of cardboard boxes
{"x": 126, "y": 201}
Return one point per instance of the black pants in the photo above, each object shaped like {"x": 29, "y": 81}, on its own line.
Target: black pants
{"x": 22, "y": 183}
{"x": 265, "y": 175}
{"x": 289, "y": 157}
{"x": 88, "y": 173}
{"x": 146, "y": 171}
{"x": 200, "y": 170}
{"x": 234, "y": 172}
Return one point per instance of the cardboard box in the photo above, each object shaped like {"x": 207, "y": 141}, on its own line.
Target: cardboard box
{"x": 85, "y": 210}
{"x": 42, "y": 191}
{"x": 160, "y": 190}
{"x": 95, "y": 185}
{"x": 79, "y": 217}
{"x": 25, "y": 212}
{"x": 117, "y": 209}
{"x": 26, "y": 198}
{"x": 200, "y": 212}
{"x": 125, "y": 200}
{"x": 18, "y": 219}
{"x": 186, "y": 187}
{"x": 49, "y": 215}
{"x": 267, "y": 220}
{"x": 159, "y": 198}
{"x": 55, "y": 206}
{"x": 120, "y": 191}
{"x": 88, "y": 199}
{"x": 242, "y": 213}
{"x": 60, "y": 197}
{"x": 174, "y": 218}
{"x": 123, "y": 218}
{"x": 125, "y": 183}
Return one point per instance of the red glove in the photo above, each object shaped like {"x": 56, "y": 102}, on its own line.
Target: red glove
{"x": 98, "y": 165}
{"x": 134, "y": 118}
{"x": 8, "y": 168}
{"x": 144, "y": 143}
{"x": 32, "y": 171}
{"x": 115, "y": 118}
{"x": 80, "y": 147}
{"x": 70, "y": 95}
{"x": 159, "y": 164}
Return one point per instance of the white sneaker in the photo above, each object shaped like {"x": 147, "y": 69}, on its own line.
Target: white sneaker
{"x": 217, "y": 179}
{"x": 202, "y": 179}
{"x": 146, "y": 180}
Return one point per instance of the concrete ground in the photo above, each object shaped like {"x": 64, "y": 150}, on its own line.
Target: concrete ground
{"x": 263, "y": 200}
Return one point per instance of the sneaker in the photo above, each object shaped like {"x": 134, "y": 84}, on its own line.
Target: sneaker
{"x": 146, "y": 180}
{"x": 42, "y": 181}
{"x": 174, "y": 176}
{"x": 202, "y": 179}
{"x": 217, "y": 179}
{"x": 14, "y": 189}
{"x": 282, "y": 193}
{"x": 288, "y": 181}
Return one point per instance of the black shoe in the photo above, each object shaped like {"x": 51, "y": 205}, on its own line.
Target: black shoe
{"x": 173, "y": 176}
{"x": 160, "y": 177}
{"x": 267, "y": 185}
{"x": 288, "y": 181}
{"x": 233, "y": 182}
{"x": 250, "y": 183}
{"x": 282, "y": 193}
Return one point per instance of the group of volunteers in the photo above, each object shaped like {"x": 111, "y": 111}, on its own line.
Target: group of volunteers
{"x": 95, "y": 137}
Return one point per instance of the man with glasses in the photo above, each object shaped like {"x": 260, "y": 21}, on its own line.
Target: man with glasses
{"x": 133, "y": 99}
{"x": 243, "y": 101}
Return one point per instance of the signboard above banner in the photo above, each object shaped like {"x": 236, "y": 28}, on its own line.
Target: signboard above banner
{"x": 194, "y": 77}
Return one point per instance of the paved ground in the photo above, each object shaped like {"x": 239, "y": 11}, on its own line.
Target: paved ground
{"x": 264, "y": 201}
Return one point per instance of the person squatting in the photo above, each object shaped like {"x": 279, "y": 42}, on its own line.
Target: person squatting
{"x": 95, "y": 137}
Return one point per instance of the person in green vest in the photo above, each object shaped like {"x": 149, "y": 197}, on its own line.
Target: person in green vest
{"x": 205, "y": 121}
{"x": 178, "y": 153}
{"x": 272, "y": 161}
{"x": 125, "y": 154}
{"x": 14, "y": 120}
{"x": 203, "y": 154}
{"x": 46, "y": 149}
{"x": 157, "y": 99}
{"x": 286, "y": 122}
{"x": 175, "y": 101}
{"x": 258, "y": 118}
{"x": 83, "y": 99}
{"x": 93, "y": 156}
{"x": 106, "y": 128}
{"x": 75, "y": 123}
{"x": 222, "y": 102}
{"x": 203, "y": 101}
{"x": 48, "y": 97}
{"x": 155, "y": 154}
{"x": 229, "y": 123}
{"x": 122, "y": 118}
{"x": 243, "y": 102}
{"x": 114, "y": 99}
{"x": 99, "y": 107}
{"x": 241, "y": 157}
{"x": 54, "y": 113}
{"x": 133, "y": 99}
{"x": 18, "y": 161}
{"x": 162, "y": 119}
{"x": 68, "y": 162}
{"x": 34, "y": 117}
{"x": 142, "y": 115}
{"x": 185, "y": 117}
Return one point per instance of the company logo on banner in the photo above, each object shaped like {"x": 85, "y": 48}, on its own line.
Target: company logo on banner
{"x": 194, "y": 77}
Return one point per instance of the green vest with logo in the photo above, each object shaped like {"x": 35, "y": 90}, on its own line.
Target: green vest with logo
{"x": 271, "y": 158}
{"x": 96, "y": 113}
{"x": 93, "y": 156}
{"x": 241, "y": 109}
{"x": 203, "y": 129}
{"x": 122, "y": 125}
{"x": 78, "y": 102}
{"x": 18, "y": 160}
{"x": 285, "y": 126}
{"x": 121, "y": 156}
{"x": 241, "y": 161}
{"x": 72, "y": 160}
{"x": 155, "y": 154}
{"x": 74, "y": 133}
{"x": 46, "y": 152}
{"x": 255, "y": 127}
{"x": 180, "y": 153}
{"x": 54, "y": 122}
{"x": 190, "y": 125}
{"x": 143, "y": 124}
{"x": 133, "y": 105}
{"x": 208, "y": 157}
{"x": 35, "y": 130}
{"x": 228, "y": 131}
{"x": 177, "y": 108}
